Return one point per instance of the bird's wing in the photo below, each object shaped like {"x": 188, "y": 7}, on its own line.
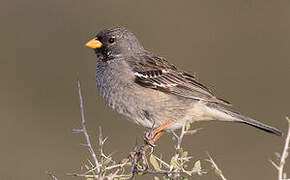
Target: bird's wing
{"x": 157, "y": 73}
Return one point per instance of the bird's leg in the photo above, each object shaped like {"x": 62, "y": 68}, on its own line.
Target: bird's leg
{"x": 154, "y": 134}
{"x": 158, "y": 135}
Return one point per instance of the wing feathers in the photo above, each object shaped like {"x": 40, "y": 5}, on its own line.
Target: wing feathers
{"x": 156, "y": 73}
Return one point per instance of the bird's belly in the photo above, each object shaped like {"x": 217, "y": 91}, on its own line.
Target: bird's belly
{"x": 129, "y": 106}
{"x": 145, "y": 106}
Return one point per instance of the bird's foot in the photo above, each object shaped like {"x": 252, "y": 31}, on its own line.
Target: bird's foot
{"x": 151, "y": 136}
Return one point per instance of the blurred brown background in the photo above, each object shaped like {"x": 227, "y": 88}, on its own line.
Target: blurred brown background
{"x": 238, "y": 48}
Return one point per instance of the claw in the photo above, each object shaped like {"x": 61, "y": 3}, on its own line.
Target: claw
{"x": 151, "y": 136}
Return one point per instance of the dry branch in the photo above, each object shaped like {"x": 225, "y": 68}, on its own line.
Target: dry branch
{"x": 280, "y": 165}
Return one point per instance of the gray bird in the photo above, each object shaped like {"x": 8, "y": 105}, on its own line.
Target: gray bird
{"x": 148, "y": 90}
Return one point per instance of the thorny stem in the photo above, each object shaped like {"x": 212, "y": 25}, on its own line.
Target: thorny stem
{"x": 84, "y": 129}
{"x": 280, "y": 166}
{"x": 284, "y": 154}
{"x": 138, "y": 155}
{"x": 216, "y": 167}
{"x": 180, "y": 138}
{"x": 53, "y": 177}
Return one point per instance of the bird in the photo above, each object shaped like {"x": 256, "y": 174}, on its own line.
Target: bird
{"x": 148, "y": 90}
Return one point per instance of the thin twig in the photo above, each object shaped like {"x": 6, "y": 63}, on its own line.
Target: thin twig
{"x": 116, "y": 166}
{"x": 280, "y": 166}
{"x": 53, "y": 177}
{"x": 179, "y": 141}
{"x": 274, "y": 164}
{"x": 180, "y": 138}
{"x": 101, "y": 145}
{"x": 162, "y": 172}
{"x": 103, "y": 168}
{"x": 284, "y": 153}
{"x": 219, "y": 172}
{"x": 84, "y": 129}
{"x": 95, "y": 176}
{"x": 162, "y": 162}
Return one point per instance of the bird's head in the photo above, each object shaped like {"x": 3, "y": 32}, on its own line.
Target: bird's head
{"x": 115, "y": 42}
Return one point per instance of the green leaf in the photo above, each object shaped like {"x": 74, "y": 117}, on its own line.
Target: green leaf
{"x": 164, "y": 178}
{"x": 278, "y": 155}
{"x": 287, "y": 118}
{"x": 174, "y": 163}
{"x": 174, "y": 138}
{"x": 187, "y": 125}
{"x": 140, "y": 166}
{"x": 191, "y": 132}
{"x": 179, "y": 151}
{"x": 154, "y": 162}
{"x": 107, "y": 161}
{"x": 284, "y": 175}
{"x": 197, "y": 166}
{"x": 184, "y": 154}
{"x": 218, "y": 171}
{"x": 87, "y": 167}
{"x": 156, "y": 178}
{"x": 140, "y": 173}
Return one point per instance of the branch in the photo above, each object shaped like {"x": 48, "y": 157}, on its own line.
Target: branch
{"x": 52, "y": 176}
{"x": 217, "y": 170}
{"x": 280, "y": 166}
{"x": 104, "y": 167}
{"x": 84, "y": 129}
{"x": 285, "y": 152}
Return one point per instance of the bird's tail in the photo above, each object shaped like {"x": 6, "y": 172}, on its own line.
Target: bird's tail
{"x": 246, "y": 120}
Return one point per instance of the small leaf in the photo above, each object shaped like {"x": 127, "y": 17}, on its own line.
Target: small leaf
{"x": 87, "y": 167}
{"x": 140, "y": 166}
{"x": 175, "y": 176}
{"x": 187, "y": 125}
{"x": 197, "y": 166}
{"x": 191, "y": 132}
{"x": 278, "y": 155}
{"x": 174, "y": 138}
{"x": 218, "y": 171}
{"x": 174, "y": 163}
{"x": 154, "y": 162}
{"x": 284, "y": 175}
{"x": 156, "y": 178}
{"x": 140, "y": 173}
{"x": 77, "y": 130}
{"x": 184, "y": 154}
{"x": 107, "y": 161}
{"x": 179, "y": 151}
{"x": 287, "y": 118}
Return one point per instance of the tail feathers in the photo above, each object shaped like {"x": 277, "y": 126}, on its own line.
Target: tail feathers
{"x": 260, "y": 125}
{"x": 249, "y": 121}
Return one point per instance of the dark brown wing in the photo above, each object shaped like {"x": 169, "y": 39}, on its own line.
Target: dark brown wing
{"x": 157, "y": 73}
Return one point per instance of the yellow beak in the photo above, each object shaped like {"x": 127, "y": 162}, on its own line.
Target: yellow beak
{"x": 94, "y": 43}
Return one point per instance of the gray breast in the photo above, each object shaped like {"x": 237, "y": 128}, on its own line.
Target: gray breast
{"x": 115, "y": 83}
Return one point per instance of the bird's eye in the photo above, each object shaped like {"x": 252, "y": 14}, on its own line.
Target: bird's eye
{"x": 111, "y": 40}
